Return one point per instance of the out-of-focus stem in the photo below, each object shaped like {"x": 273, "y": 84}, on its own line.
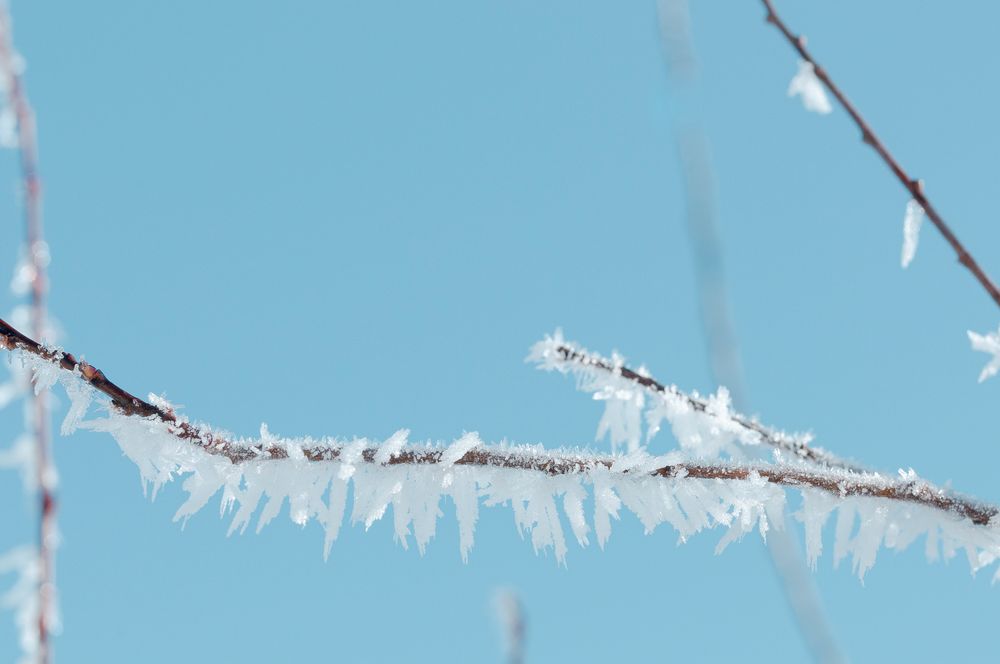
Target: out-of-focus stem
{"x": 37, "y": 261}
{"x": 720, "y": 333}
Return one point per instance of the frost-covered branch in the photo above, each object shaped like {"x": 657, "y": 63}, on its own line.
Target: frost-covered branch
{"x": 913, "y": 186}
{"x": 625, "y": 392}
{"x": 314, "y": 475}
{"x": 691, "y": 495}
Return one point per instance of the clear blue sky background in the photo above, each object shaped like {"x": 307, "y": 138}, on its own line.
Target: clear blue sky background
{"x": 347, "y": 218}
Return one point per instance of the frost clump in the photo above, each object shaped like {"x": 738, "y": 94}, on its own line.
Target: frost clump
{"x": 911, "y": 231}
{"x": 806, "y": 85}
{"x": 622, "y": 419}
{"x": 987, "y": 343}
{"x": 705, "y": 434}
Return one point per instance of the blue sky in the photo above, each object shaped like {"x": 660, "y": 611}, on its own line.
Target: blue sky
{"x": 348, "y": 218}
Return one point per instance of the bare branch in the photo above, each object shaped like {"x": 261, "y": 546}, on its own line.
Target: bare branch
{"x": 914, "y": 186}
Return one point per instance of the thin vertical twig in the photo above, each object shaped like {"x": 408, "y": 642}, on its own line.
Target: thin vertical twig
{"x": 914, "y": 186}
{"x": 37, "y": 259}
{"x": 700, "y": 191}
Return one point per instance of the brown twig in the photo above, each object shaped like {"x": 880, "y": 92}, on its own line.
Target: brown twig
{"x": 836, "y": 481}
{"x": 794, "y": 446}
{"x": 37, "y": 258}
{"x": 914, "y": 186}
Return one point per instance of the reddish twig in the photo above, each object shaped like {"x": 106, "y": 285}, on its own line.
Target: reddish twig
{"x": 836, "y": 481}
{"x": 37, "y": 259}
{"x": 914, "y": 186}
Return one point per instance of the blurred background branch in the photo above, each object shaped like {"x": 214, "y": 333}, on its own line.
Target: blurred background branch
{"x": 701, "y": 211}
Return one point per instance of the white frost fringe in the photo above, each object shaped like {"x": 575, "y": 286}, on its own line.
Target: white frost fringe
{"x": 318, "y": 490}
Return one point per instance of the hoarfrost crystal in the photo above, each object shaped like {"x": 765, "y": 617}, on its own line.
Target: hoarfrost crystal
{"x": 539, "y": 500}
{"x": 987, "y": 343}
{"x": 911, "y": 231}
{"x": 806, "y": 85}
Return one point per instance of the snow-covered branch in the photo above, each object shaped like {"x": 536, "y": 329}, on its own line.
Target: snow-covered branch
{"x": 691, "y": 495}
{"x": 913, "y": 186}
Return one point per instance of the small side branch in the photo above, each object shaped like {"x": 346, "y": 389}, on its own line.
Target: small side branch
{"x": 913, "y": 186}
{"x": 572, "y": 355}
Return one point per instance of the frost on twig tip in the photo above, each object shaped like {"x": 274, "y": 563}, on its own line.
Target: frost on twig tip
{"x": 987, "y": 343}
{"x": 806, "y": 85}
{"x": 911, "y": 231}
